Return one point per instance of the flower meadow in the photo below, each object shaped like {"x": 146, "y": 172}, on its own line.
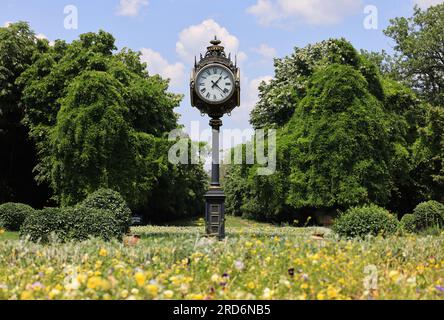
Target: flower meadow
{"x": 251, "y": 263}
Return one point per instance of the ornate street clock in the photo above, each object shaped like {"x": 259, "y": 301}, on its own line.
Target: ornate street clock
{"x": 215, "y": 91}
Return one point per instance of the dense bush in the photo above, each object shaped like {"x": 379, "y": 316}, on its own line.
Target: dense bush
{"x": 429, "y": 214}
{"x": 112, "y": 201}
{"x": 366, "y": 220}
{"x": 40, "y": 224}
{"x": 84, "y": 223}
{"x": 12, "y": 215}
{"x": 71, "y": 224}
{"x": 408, "y": 223}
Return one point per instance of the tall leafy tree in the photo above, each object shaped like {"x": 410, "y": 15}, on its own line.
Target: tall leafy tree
{"x": 338, "y": 142}
{"x": 279, "y": 98}
{"x": 18, "y": 47}
{"x": 99, "y": 120}
{"x": 419, "y": 44}
{"x": 429, "y": 155}
{"x": 349, "y": 139}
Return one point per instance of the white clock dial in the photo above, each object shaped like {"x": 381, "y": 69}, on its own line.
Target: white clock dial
{"x": 215, "y": 84}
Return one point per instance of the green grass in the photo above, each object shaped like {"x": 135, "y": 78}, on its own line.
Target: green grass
{"x": 8, "y": 235}
{"x": 230, "y": 221}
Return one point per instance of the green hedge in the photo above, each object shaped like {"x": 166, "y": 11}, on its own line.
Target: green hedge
{"x": 71, "y": 224}
{"x": 40, "y": 225}
{"x": 408, "y": 223}
{"x": 12, "y": 215}
{"x": 366, "y": 220}
{"x": 428, "y": 215}
{"x": 112, "y": 201}
{"x": 89, "y": 222}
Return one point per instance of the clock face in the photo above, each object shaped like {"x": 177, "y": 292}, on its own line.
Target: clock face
{"x": 215, "y": 84}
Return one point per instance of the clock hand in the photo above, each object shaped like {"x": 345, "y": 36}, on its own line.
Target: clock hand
{"x": 215, "y": 83}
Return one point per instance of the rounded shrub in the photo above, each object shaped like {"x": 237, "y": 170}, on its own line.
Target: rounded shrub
{"x": 428, "y": 215}
{"x": 42, "y": 223}
{"x": 366, "y": 220}
{"x": 12, "y": 215}
{"x": 408, "y": 223}
{"x": 84, "y": 223}
{"x": 110, "y": 200}
{"x": 68, "y": 224}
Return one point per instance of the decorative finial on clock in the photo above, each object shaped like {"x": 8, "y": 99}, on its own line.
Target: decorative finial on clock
{"x": 215, "y": 42}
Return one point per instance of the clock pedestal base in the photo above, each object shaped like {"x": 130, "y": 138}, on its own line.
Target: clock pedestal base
{"x": 215, "y": 212}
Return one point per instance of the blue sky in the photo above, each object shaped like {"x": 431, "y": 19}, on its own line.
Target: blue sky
{"x": 170, "y": 32}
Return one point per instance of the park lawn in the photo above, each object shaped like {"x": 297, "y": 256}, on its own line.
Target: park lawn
{"x": 230, "y": 221}
{"x": 255, "y": 261}
{"x": 8, "y": 235}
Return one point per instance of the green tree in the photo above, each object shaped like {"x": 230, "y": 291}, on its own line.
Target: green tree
{"x": 90, "y": 143}
{"x": 18, "y": 46}
{"x": 338, "y": 142}
{"x": 420, "y": 64}
{"x": 429, "y": 155}
{"x": 100, "y": 120}
{"x": 420, "y": 51}
{"x": 278, "y": 99}
{"x": 349, "y": 140}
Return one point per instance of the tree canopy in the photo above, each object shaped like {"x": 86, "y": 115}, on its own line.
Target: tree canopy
{"x": 348, "y": 139}
{"x": 18, "y": 48}
{"x": 419, "y": 46}
{"x": 99, "y": 120}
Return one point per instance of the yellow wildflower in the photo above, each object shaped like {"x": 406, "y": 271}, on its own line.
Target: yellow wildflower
{"x": 103, "y": 252}
{"x": 320, "y": 296}
{"x": 152, "y": 289}
{"x": 26, "y": 295}
{"x": 197, "y": 296}
{"x": 94, "y": 283}
{"x": 394, "y": 275}
{"x": 332, "y": 293}
{"x": 140, "y": 278}
{"x": 251, "y": 285}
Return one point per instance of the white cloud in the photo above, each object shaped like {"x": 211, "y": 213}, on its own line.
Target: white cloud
{"x": 41, "y": 36}
{"x": 250, "y": 96}
{"x": 265, "y": 11}
{"x": 315, "y": 12}
{"x": 159, "y": 65}
{"x": 195, "y": 39}
{"x": 424, "y": 4}
{"x": 44, "y": 37}
{"x": 131, "y": 8}
{"x": 267, "y": 52}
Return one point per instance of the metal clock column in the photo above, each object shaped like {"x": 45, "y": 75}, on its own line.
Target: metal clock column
{"x": 215, "y": 91}
{"x": 215, "y": 197}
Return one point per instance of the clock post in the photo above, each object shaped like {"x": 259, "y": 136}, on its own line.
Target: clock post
{"x": 215, "y": 91}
